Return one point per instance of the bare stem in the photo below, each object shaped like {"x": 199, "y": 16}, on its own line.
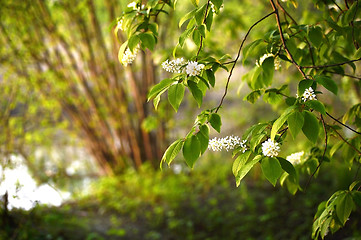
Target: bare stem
{"x": 353, "y": 130}
{"x": 332, "y": 65}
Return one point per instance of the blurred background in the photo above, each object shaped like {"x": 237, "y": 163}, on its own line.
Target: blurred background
{"x": 80, "y": 146}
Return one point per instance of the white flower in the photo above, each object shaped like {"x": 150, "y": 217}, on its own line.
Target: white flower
{"x": 129, "y": 57}
{"x": 193, "y": 68}
{"x": 270, "y": 148}
{"x": 227, "y": 143}
{"x": 174, "y": 66}
{"x": 308, "y": 95}
{"x": 295, "y": 158}
{"x": 132, "y": 5}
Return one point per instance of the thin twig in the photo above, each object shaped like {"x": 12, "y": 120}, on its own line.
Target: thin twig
{"x": 238, "y": 55}
{"x": 323, "y": 155}
{"x": 353, "y": 130}
{"x": 332, "y": 65}
{"x": 344, "y": 74}
{"x": 334, "y": 2}
{"x": 345, "y": 141}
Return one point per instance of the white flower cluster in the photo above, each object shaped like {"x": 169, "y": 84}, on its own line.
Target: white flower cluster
{"x": 193, "y": 68}
{"x": 129, "y": 56}
{"x": 173, "y": 66}
{"x": 134, "y": 5}
{"x": 270, "y": 148}
{"x": 228, "y": 143}
{"x": 295, "y": 158}
{"x": 308, "y": 95}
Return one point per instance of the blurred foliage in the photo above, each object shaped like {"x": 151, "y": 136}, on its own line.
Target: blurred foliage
{"x": 183, "y": 204}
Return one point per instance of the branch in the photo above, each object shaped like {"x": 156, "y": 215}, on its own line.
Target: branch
{"x": 238, "y": 55}
{"x": 323, "y": 155}
{"x": 353, "y": 130}
{"x": 332, "y": 65}
{"x": 204, "y": 22}
{"x": 284, "y": 41}
{"x": 345, "y": 141}
{"x": 344, "y": 74}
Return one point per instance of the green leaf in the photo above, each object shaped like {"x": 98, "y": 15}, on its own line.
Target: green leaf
{"x": 240, "y": 162}
{"x": 148, "y": 40}
{"x": 195, "y": 2}
{"x": 310, "y": 127}
{"x": 172, "y": 151}
{"x": 191, "y": 150}
{"x": 203, "y": 137}
{"x": 344, "y": 205}
{"x": 288, "y": 167}
{"x": 315, "y": 36}
{"x": 327, "y": 82}
{"x": 356, "y": 196}
{"x": 133, "y": 42}
{"x": 253, "y": 96}
{"x": 209, "y": 20}
{"x": 295, "y": 123}
{"x": 210, "y": 77}
{"x": 202, "y": 30}
{"x": 187, "y": 17}
{"x": 247, "y": 49}
{"x": 316, "y": 105}
{"x": 175, "y": 95}
{"x": 185, "y": 35}
{"x": 196, "y": 92}
{"x": 280, "y": 121}
{"x": 271, "y": 169}
{"x": 200, "y": 14}
{"x": 156, "y": 89}
{"x": 245, "y": 168}
{"x": 303, "y": 85}
{"x": 215, "y": 121}
{"x": 121, "y": 51}
{"x": 217, "y": 3}
{"x": 268, "y": 70}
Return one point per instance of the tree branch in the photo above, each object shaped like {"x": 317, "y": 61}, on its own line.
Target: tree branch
{"x": 332, "y": 65}
{"x": 204, "y": 22}
{"x": 283, "y": 40}
{"x": 238, "y": 55}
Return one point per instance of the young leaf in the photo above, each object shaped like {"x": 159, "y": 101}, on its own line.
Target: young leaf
{"x": 271, "y": 169}
{"x": 295, "y": 123}
{"x": 310, "y": 127}
{"x": 195, "y": 2}
{"x": 133, "y": 42}
{"x": 217, "y": 3}
{"x": 191, "y": 150}
{"x": 245, "y": 168}
{"x": 240, "y": 161}
{"x": 172, "y": 151}
{"x": 247, "y": 49}
{"x": 185, "y": 35}
{"x": 186, "y": 17}
{"x": 280, "y": 121}
{"x": 215, "y": 121}
{"x": 156, "y": 89}
{"x": 203, "y": 137}
{"x": 175, "y": 95}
